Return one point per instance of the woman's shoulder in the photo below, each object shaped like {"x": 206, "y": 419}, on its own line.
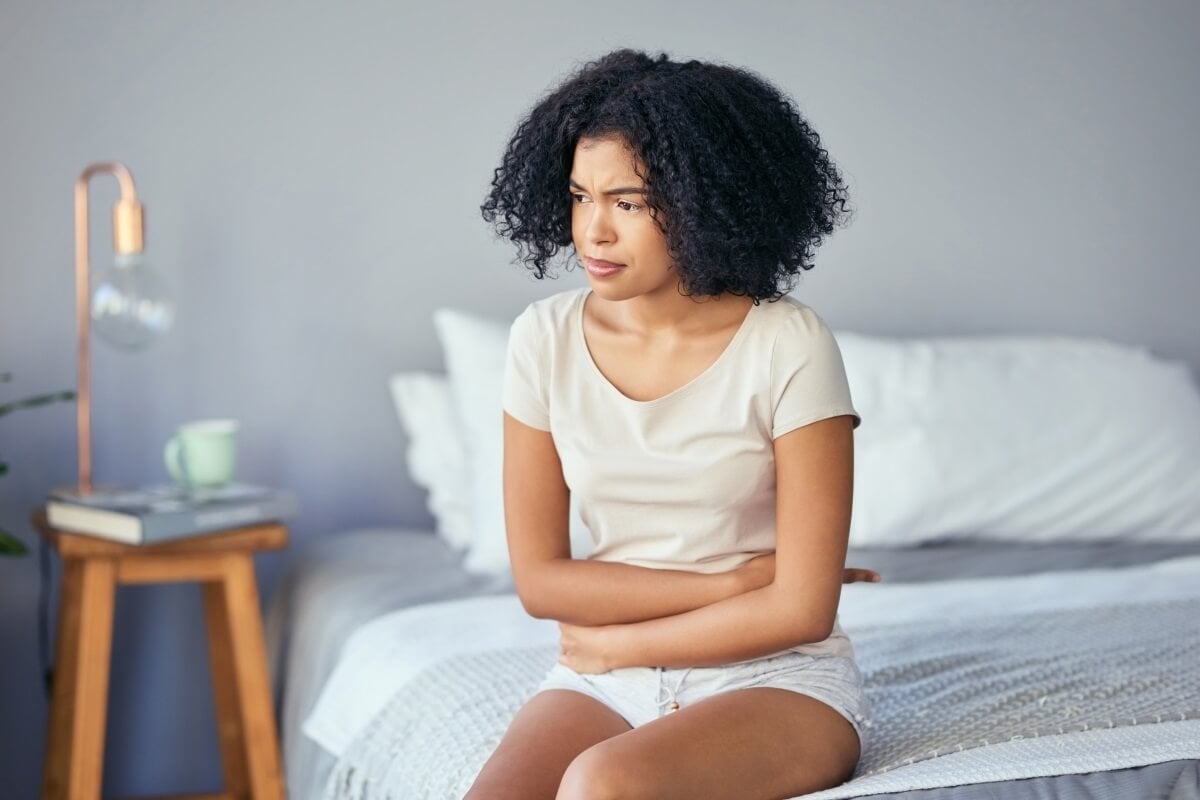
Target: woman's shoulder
{"x": 549, "y": 318}
{"x": 790, "y": 317}
{"x": 553, "y": 313}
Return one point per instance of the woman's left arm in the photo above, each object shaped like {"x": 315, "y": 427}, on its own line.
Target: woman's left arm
{"x": 814, "y": 467}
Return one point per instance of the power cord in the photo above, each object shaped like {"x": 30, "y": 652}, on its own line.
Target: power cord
{"x": 44, "y": 616}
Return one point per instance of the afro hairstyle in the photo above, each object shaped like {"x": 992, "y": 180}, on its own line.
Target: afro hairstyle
{"x": 740, "y": 176}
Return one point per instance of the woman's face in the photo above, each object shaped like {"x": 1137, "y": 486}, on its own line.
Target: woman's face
{"x": 611, "y": 222}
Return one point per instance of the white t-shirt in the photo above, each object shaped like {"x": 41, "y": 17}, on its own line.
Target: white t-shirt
{"x": 685, "y": 481}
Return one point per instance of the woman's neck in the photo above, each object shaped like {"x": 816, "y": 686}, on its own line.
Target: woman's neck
{"x": 671, "y": 313}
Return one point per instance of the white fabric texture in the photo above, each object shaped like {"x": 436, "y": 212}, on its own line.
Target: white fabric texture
{"x": 474, "y": 348}
{"x": 685, "y": 481}
{"x": 385, "y": 653}
{"x": 389, "y": 651}
{"x": 1021, "y": 438}
{"x": 1070, "y": 682}
{"x": 435, "y": 457}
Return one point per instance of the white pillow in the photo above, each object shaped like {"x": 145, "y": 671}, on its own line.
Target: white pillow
{"x": 1020, "y": 437}
{"x": 1030, "y": 438}
{"x": 435, "y": 454}
{"x": 475, "y": 350}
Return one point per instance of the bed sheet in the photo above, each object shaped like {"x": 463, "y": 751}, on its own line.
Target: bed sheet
{"x": 336, "y": 584}
{"x": 954, "y": 702}
{"x": 332, "y": 586}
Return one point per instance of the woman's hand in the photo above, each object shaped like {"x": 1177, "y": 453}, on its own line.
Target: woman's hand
{"x": 588, "y": 649}
{"x": 857, "y": 574}
{"x": 760, "y": 571}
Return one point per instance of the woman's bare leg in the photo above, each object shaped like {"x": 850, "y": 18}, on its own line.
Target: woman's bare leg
{"x": 750, "y": 744}
{"x": 548, "y": 732}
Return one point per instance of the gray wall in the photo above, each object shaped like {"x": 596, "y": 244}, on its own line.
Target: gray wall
{"x": 312, "y": 175}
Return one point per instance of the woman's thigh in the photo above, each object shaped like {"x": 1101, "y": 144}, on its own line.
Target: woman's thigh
{"x": 750, "y": 744}
{"x": 545, "y": 735}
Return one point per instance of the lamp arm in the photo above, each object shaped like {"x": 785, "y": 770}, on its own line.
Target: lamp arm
{"x": 127, "y": 238}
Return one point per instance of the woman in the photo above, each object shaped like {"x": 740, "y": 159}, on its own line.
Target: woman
{"x": 706, "y": 435}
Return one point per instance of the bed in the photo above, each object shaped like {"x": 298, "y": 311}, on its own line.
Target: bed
{"x": 1036, "y": 633}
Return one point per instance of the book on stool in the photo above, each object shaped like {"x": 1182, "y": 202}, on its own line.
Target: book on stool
{"x": 150, "y": 514}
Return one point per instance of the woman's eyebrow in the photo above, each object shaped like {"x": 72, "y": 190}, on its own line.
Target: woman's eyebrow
{"x": 618, "y": 190}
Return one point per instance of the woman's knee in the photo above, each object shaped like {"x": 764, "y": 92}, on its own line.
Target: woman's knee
{"x": 493, "y": 790}
{"x": 604, "y": 772}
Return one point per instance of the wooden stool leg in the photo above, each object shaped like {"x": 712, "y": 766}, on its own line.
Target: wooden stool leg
{"x": 75, "y": 742}
{"x": 229, "y": 716}
{"x": 242, "y": 683}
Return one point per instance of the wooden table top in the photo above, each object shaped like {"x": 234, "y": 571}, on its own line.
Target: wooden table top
{"x": 70, "y": 544}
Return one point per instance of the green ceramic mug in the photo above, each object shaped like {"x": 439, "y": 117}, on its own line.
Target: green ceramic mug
{"x": 203, "y": 453}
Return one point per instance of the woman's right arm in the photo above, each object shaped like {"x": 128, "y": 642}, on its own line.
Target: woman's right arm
{"x": 552, "y": 585}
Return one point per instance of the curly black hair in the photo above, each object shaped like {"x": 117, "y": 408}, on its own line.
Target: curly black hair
{"x": 741, "y": 178}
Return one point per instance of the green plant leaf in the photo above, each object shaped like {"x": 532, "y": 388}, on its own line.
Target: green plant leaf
{"x": 11, "y": 545}
{"x": 38, "y": 400}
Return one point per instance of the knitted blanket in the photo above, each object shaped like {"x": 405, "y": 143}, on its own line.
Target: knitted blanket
{"x": 952, "y": 703}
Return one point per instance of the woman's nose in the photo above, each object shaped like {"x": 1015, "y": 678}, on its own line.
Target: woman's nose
{"x": 599, "y": 226}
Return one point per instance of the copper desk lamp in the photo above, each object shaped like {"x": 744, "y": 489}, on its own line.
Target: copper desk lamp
{"x": 128, "y": 304}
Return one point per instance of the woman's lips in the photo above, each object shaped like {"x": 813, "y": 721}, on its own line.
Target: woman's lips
{"x": 601, "y": 269}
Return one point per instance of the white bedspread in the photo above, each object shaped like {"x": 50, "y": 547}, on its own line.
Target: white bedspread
{"x": 992, "y": 698}
{"x": 385, "y": 654}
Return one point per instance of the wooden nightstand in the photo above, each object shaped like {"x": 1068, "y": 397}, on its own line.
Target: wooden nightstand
{"x": 92, "y": 569}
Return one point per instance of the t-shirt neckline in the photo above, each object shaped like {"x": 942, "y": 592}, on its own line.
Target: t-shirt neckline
{"x": 738, "y": 335}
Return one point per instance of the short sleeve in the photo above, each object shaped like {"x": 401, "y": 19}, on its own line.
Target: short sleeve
{"x": 808, "y": 376}
{"x": 526, "y": 394}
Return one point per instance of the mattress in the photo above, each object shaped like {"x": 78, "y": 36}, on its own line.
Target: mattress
{"x": 333, "y": 585}
{"x": 336, "y": 585}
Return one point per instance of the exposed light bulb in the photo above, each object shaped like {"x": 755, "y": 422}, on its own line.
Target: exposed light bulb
{"x": 130, "y": 308}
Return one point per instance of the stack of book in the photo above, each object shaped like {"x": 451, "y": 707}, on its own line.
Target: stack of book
{"x": 150, "y": 514}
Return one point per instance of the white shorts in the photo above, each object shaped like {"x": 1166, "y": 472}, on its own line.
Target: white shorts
{"x": 642, "y": 694}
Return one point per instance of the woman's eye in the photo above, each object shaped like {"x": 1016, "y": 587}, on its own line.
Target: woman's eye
{"x": 624, "y": 205}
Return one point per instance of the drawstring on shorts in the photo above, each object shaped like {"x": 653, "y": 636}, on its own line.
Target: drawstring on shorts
{"x": 670, "y": 700}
